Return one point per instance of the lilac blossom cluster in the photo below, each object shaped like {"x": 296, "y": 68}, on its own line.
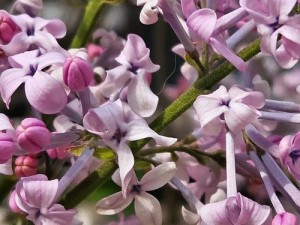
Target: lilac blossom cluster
{"x": 100, "y": 99}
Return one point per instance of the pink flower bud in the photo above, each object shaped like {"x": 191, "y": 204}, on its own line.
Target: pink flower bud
{"x": 285, "y": 219}
{"x": 8, "y": 28}
{"x": 25, "y": 166}
{"x": 33, "y": 135}
{"x": 12, "y": 202}
{"x": 94, "y": 51}
{"x": 77, "y": 73}
{"x": 59, "y": 153}
{"x": 7, "y": 147}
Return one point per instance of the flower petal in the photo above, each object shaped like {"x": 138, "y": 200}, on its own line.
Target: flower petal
{"x": 113, "y": 204}
{"x": 148, "y": 209}
{"x": 140, "y": 97}
{"x": 158, "y": 176}
{"x": 45, "y": 93}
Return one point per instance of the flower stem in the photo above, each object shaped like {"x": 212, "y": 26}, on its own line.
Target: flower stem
{"x": 88, "y": 185}
{"x": 91, "y": 14}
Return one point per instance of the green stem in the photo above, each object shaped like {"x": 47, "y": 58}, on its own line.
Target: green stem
{"x": 186, "y": 100}
{"x": 91, "y": 14}
{"x": 88, "y": 185}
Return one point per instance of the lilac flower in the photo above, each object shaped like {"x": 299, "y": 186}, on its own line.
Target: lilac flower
{"x": 35, "y": 33}
{"x": 30, "y": 7}
{"x": 116, "y": 124}
{"x": 35, "y": 196}
{"x": 203, "y": 23}
{"x": 289, "y": 152}
{"x": 43, "y": 92}
{"x": 274, "y": 24}
{"x": 285, "y": 219}
{"x": 147, "y": 207}
{"x": 235, "y": 108}
{"x": 236, "y": 210}
{"x": 135, "y": 64}
{"x": 8, "y": 28}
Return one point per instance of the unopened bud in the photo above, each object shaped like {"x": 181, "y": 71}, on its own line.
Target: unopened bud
{"x": 25, "y": 166}
{"x": 77, "y": 73}
{"x": 33, "y": 135}
{"x": 285, "y": 219}
{"x": 8, "y": 28}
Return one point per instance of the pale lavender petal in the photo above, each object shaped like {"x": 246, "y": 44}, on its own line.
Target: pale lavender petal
{"x": 149, "y": 12}
{"x": 189, "y": 217}
{"x": 22, "y": 60}
{"x": 100, "y": 121}
{"x": 215, "y": 214}
{"x": 228, "y": 54}
{"x": 10, "y": 80}
{"x": 158, "y": 176}
{"x": 290, "y": 32}
{"x": 56, "y": 27}
{"x": 251, "y": 213}
{"x": 202, "y": 22}
{"x": 113, "y": 204}
{"x": 148, "y": 209}
{"x": 188, "y": 7}
{"x": 49, "y": 59}
{"x": 115, "y": 80}
{"x": 45, "y": 93}
{"x": 140, "y": 97}
{"x": 139, "y": 129}
{"x": 284, "y": 59}
{"x": 126, "y": 162}
{"x": 6, "y": 168}
{"x": 239, "y": 116}
{"x": 5, "y": 123}
{"x": 17, "y": 45}
{"x": 40, "y": 193}
{"x": 55, "y": 215}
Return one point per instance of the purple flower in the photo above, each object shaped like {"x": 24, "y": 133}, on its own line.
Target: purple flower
{"x": 116, "y": 124}
{"x": 147, "y": 207}
{"x": 235, "y": 108}
{"x": 285, "y": 218}
{"x": 30, "y": 7}
{"x": 289, "y": 153}
{"x": 35, "y": 33}
{"x": 135, "y": 64}
{"x": 35, "y": 195}
{"x": 236, "y": 210}
{"x": 43, "y": 92}
{"x": 274, "y": 24}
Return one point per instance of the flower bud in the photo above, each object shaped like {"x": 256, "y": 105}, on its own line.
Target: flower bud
{"x": 77, "y": 73}
{"x": 25, "y": 166}
{"x": 285, "y": 219}
{"x": 59, "y": 153}
{"x": 7, "y": 147}
{"x": 8, "y": 28}
{"x": 12, "y": 202}
{"x": 33, "y": 135}
{"x": 94, "y": 51}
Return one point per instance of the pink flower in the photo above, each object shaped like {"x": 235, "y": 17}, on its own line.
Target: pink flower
{"x": 289, "y": 152}
{"x": 273, "y": 23}
{"x": 236, "y": 210}
{"x": 147, "y": 207}
{"x": 135, "y": 64}
{"x": 35, "y": 195}
{"x": 235, "y": 109}
{"x": 43, "y": 92}
{"x": 285, "y": 218}
{"x": 116, "y": 124}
